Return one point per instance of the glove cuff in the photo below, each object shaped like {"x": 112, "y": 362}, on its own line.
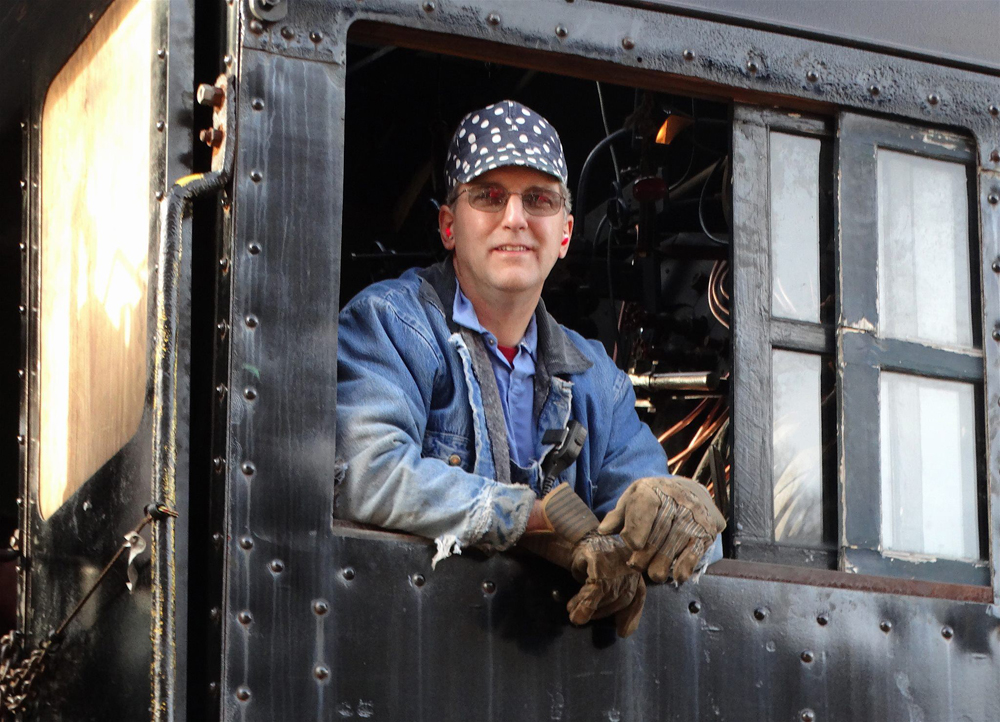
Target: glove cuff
{"x": 567, "y": 514}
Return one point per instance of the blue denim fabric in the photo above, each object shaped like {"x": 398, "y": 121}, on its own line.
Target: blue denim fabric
{"x": 411, "y": 427}
{"x": 514, "y": 381}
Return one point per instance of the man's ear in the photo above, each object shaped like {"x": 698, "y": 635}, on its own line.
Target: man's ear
{"x": 445, "y": 221}
{"x": 567, "y": 235}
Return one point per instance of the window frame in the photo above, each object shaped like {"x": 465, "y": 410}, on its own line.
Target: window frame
{"x": 863, "y": 354}
{"x": 757, "y": 334}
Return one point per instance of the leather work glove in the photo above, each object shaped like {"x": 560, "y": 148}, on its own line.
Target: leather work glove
{"x": 599, "y": 562}
{"x": 668, "y": 522}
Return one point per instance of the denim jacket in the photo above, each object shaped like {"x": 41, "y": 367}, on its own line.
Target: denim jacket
{"x": 411, "y": 425}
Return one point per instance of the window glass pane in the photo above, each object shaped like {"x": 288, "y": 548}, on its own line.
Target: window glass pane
{"x": 923, "y": 232}
{"x": 794, "y": 193}
{"x": 797, "y": 453}
{"x": 94, "y": 239}
{"x": 928, "y": 466}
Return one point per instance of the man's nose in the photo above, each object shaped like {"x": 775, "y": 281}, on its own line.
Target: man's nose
{"x": 514, "y": 216}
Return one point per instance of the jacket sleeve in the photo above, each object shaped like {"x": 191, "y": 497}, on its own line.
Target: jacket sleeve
{"x": 386, "y": 373}
{"x": 632, "y": 452}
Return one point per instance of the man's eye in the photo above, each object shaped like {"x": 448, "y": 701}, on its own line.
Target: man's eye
{"x": 490, "y": 195}
{"x": 538, "y": 199}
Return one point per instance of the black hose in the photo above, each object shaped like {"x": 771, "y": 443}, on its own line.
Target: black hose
{"x": 581, "y": 186}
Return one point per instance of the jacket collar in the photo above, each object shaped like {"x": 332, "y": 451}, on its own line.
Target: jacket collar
{"x": 556, "y": 352}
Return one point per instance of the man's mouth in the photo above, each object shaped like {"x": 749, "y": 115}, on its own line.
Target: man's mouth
{"x": 511, "y": 248}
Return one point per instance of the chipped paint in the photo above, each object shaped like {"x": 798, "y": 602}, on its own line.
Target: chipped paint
{"x": 932, "y": 138}
{"x": 862, "y": 325}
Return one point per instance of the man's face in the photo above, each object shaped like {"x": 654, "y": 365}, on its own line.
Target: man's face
{"x": 511, "y": 251}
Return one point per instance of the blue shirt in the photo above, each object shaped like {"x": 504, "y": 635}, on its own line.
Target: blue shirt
{"x": 514, "y": 381}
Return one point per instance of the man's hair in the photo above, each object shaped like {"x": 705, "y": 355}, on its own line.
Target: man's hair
{"x": 563, "y": 189}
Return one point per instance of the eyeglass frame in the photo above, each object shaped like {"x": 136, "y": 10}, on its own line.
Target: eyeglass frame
{"x": 562, "y": 197}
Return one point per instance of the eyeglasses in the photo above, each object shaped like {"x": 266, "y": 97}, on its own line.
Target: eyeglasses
{"x": 535, "y": 201}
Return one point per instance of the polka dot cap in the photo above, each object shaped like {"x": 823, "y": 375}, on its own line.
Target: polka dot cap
{"x": 503, "y": 134}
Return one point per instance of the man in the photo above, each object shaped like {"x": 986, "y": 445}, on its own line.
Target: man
{"x": 449, "y": 376}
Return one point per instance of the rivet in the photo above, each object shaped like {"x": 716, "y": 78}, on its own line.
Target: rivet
{"x": 248, "y": 468}
{"x": 22, "y": 309}
{"x": 321, "y": 672}
{"x": 222, "y": 327}
{"x": 993, "y": 198}
{"x": 220, "y": 391}
{"x": 628, "y": 43}
{"x": 223, "y": 264}
{"x": 161, "y": 53}
{"x": 24, "y": 184}
{"x": 316, "y": 36}
{"x": 257, "y": 104}
{"x": 256, "y": 27}
{"x": 20, "y": 373}
{"x": 556, "y": 595}
{"x": 214, "y": 614}
{"x": 253, "y": 248}
{"x": 20, "y": 439}
{"x": 418, "y": 580}
{"x": 760, "y": 613}
{"x": 812, "y": 76}
{"x": 320, "y": 607}
{"x": 561, "y": 31}
{"x": 994, "y": 110}
{"x": 808, "y": 715}
{"x": 822, "y": 620}
{"x": 250, "y": 320}
{"x": 694, "y": 607}
{"x": 22, "y": 246}
{"x": 256, "y": 176}
{"x": 217, "y": 538}
{"x": 995, "y": 156}
{"x": 213, "y": 688}
{"x": 249, "y": 393}
{"x": 995, "y": 265}
{"x": 348, "y": 573}
{"x": 243, "y": 694}
{"x": 227, "y": 60}
{"x": 158, "y": 195}
{"x": 807, "y": 656}
{"x": 688, "y": 55}
{"x": 996, "y": 333}
{"x": 489, "y": 587}
{"x": 160, "y": 125}
{"x": 874, "y": 91}
{"x": 244, "y": 617}
{"x": 885, "y": 625}
{"x": 277, "y": 566}
{"x": 933, "y": 99}
{"x": 246, "y": 543}
{"x": 19, "y": 502}
{"x": 287, "y": 33}
{"x": 947, "y": 632}
{"x": 428, "y": 7}
{"x": 493, "y": 19}
{"x": 752, "y": 67}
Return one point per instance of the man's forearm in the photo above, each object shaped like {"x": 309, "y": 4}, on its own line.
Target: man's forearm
{"x": 536, "y": 520}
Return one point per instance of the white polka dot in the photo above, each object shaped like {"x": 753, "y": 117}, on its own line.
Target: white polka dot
{"x": 461, "y": 133}
{"x": 484, "y": 150}
{"x": 525, "y": 111}
{"x": 472, "y": 139}
{"x": 510, "y": 145}
{"x": 523, "y": 138}
{"x": 532, "y": 160}
{"x": 479, "y": 162}
{"x": 545, "y": 146}
{"x": 543, "y": 161}
{"x": 491, "y": 166}
{"x": 508, "y": 121}
{"x": 498, "y": 111}
{"x": 495, "y": 138}
{"x": 465, "y": 167}
{"x": 494, "y": 130}
{"x": 521, "y": 120}
{"x": 490, "y": 159}
{"x": 519, "y": 161}
{"x": 484, "y": 124}
{"x": 514, "y": 152}
{"x": 543, "y": 123}
{"x": 457, "y": 162}
{"x": 559, "y": 162}
{"x": 473, "y": 148}
{"x": 475, "y": 118}
{"x": 489, "y": 107}
{"x": 504, "y": 157}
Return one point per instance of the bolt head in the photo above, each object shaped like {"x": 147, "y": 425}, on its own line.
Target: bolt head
{"x": 760, "y": 613}
{"x": 628, "y": 43}
{"x": 823, "y": 620}
{"x": 320, "y": 607}
{"x": 694, "y": 607}
{"x": 20, "y": 439}
{"x": 256, "y": 27}
{"x": 213, "y": 688}
{"x": 807, "y": 656}
{"x": 223, "y": 264}
{"x": 20, "y": 373}
{"x": 418, "y": 580}
{"x": 489, "y": 587}
{"x": 316, "y": 36}
{"x": 227, "y": 60}
{"x": 557, "y": 596}
{"x": 947, "y": 632}
{"x": 243, "y": 694}
{"x": 217, "y": 538}
{"x": 493, "y": 19}
{"x": 277, "y": 566}
{"x": 22, "y": 309}
{"x": 688, "y": 55}
{"x": 220, "y": 391}
{"x": 348, "y": 573}
{"x": 812, "y": 76}
{"x": 246, "y": 543}
{"x": 885, "y": 625}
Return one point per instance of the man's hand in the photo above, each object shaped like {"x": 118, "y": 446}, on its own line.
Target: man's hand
{"x": 565, "y": 533}
{"x": 668, "y": 522}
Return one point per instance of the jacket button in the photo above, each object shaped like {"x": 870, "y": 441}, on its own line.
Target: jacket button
{"x": 454, "y": 460}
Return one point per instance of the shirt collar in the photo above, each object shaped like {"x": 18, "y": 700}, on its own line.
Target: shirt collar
{"x": 463, "y": 313}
